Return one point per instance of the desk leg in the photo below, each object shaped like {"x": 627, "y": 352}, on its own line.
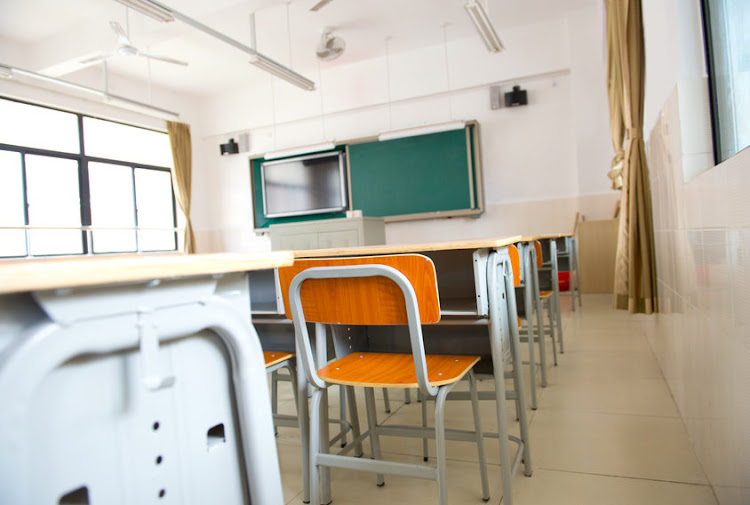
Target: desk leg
{"x": 534, "y": 286}
{"x": 515, "y": 344}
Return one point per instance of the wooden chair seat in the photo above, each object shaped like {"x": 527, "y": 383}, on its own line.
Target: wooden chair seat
{"x": 387, "y": 370}
{"x": 273, "y": 358}
{"x": 545, "y": 294}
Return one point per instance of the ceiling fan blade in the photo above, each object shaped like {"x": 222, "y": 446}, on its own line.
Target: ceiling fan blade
{"x": 166, "y": 59}
{"x": 96, "y": 59}
{"x": 122, "y": 37}
{"x": 320, "y": 5}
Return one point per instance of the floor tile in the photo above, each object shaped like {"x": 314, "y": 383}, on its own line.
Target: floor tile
{"x": 567, "y": 488}
{"x": 612, "y": 444}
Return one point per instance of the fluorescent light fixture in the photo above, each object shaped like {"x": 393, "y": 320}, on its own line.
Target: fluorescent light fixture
{"x": 257, "y": 59}
{"x": 150, "y": 9}
{"x": 281, "y": 71}
{"x": 119, "y": 101}
{"x": 422, "y": 130}
{"x": 484, "y": 26}
{"x": 294, "y": 151}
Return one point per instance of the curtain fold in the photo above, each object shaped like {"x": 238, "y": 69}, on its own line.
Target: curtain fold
{"x": 614, "y": 92}
{"x": 182, "y": 170}
{"x": 635, "y": 267}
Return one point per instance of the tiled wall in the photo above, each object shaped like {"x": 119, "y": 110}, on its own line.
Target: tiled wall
{"x": 702, "y": 335}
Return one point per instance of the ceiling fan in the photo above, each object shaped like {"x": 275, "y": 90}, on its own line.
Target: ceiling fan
{"x": 330, "y": 47}
{"x": 126, "y": 48}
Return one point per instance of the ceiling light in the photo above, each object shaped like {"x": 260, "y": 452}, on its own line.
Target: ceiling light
{"x": 422, "y": 130}
{"x": 258, "y": 59}
{"x": 150, "y": 9}
{"x": 281, "y": 71}
{"x": 294, "y": 151}
{"x": 484, "y": 26}
{"x": 119, "y": 101}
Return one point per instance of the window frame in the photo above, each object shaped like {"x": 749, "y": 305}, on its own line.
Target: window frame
{"x": 83, "y": 161}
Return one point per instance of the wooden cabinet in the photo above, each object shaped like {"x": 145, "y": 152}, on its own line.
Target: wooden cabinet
{"x": 328, "y": 233}
{"x": 597, "y": 248}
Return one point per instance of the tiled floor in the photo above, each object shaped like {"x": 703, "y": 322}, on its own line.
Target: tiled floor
{"x": 607, "y": 431}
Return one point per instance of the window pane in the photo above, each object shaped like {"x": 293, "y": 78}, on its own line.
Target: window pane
{"x": 32, "y": 126}
{"x": 729, "y": 60}
{"x": 153, "y": 199}
{"x": 12, "y": 242}
{"x": 105, "y": 139}
{"x": 112, "y": 206}
{"x": 54, "y": 202}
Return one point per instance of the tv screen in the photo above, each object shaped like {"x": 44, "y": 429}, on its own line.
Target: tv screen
{"x": 311, "y": 184}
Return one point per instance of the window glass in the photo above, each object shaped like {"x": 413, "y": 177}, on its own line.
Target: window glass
{"x": 38, "y": 127}
{"x": 729, "y": 70}
{"x": 105, "y": 139}
{"x": 112, "y": 206}
{"x": 153, "y": 199}
{"x": 53, "y": 199}
{"x": 12, "y": 242}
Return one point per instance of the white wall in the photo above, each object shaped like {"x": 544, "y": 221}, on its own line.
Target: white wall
{"x": 542, "y": 163}
{"x": 701, "y": 215}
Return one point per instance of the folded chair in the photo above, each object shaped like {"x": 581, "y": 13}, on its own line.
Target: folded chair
{"x": 382, "y": 290}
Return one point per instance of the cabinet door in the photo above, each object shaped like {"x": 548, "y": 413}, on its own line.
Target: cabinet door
{"x": 297, "y": 241}
{"x": 334, "y": 239}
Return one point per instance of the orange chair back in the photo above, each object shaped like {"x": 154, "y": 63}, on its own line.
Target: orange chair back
{"x": 364, "y": 300}
{"x": 516, "y": 264}
{"x": 538, "y": 250}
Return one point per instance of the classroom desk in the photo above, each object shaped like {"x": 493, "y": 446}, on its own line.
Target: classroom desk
{"x": 128, "y": 379}
{"x": 475, "y": 282}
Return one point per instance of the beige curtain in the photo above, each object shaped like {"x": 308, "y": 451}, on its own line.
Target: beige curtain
{"x": 635, "y": 268}
{"x": 614, "y": 91}
{"x": 179, "y": 141}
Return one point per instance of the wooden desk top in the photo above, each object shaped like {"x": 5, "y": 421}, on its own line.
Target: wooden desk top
{"x": 409, "y": 248}
{"x": 545, "y": 237}
{"x": 53, "y": 273}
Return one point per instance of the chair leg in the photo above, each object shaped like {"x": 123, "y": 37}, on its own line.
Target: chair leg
{"x": 558, "y": 316}
{"x": 440, "y": 444}
{"x": 354, "y": 418}
{"x": 530, "y": 332}
{"x": 480, "y": 438}
{"x": 342, "y": 413}
{"x": 386, "y": 401}
{"x": 303, "y": 418}
{"x": 407, "y": 396}
{"x": 315, "y": 445}
{"x": 372, "y": 422}
{"x": 540, "y": 334}
{"x": 552, "y": 330}
{"x": 425, "y": 446}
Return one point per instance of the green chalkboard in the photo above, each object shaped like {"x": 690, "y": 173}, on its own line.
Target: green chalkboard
{"x": 414, "y": 175}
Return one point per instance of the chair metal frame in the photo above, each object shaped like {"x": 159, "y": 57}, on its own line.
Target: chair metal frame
{"x": 319, "y": 456}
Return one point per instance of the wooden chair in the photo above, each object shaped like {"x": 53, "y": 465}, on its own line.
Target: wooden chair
{"x": 276, "y": 360}
{"x": 382, "y": 290}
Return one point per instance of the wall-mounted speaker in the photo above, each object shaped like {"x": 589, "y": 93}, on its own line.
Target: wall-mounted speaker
{"x": 516, "y": 97}
{"x": 230, "y": 147}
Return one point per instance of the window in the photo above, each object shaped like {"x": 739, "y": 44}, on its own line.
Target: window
{"x": 728, "y": 54}
{"x": 72, "y": 184}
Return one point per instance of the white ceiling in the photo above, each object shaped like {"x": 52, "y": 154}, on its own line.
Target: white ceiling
{"x": 53, "y": 36}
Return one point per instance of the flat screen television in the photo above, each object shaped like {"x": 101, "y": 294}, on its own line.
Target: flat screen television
{"x": 312, "y": 184}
